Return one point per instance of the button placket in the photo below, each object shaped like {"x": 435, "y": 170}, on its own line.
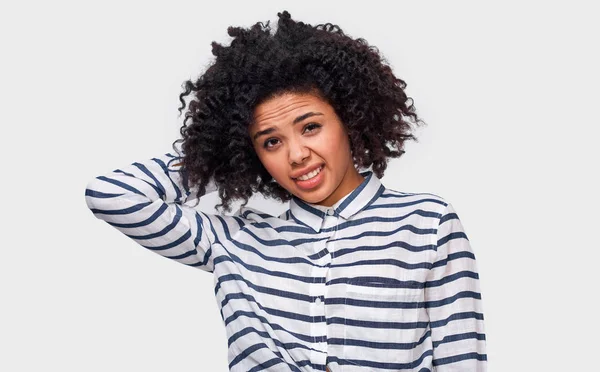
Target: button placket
{"x": 330, "y": 216}
{"x": 318, "y": 329}
{"x": 317, "y": 308}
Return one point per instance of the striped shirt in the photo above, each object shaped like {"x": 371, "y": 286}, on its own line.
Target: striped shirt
{"x": 382, "y": 280}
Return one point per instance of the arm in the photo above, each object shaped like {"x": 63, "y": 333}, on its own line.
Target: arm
{"x": 145, "y": 201}
{"x": 453, "y": 301}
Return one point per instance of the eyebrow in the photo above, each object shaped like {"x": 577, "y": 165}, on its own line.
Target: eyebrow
{"x": 297, "y": 120}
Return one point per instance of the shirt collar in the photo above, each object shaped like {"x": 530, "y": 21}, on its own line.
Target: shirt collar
{"x": 312, "y": 215}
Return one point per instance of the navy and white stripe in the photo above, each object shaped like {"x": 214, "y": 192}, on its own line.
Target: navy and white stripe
{"x": 382, "y": 280}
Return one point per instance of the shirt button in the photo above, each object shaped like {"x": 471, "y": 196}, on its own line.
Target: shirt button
{"x": 330, "y": 212}
{"x": 318, "y": 301}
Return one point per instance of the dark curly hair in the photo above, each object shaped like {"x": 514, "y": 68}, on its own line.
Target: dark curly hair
{"x": 347, "y": 73}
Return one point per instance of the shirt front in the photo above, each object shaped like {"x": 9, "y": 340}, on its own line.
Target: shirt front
{"x": 382, "y": 280}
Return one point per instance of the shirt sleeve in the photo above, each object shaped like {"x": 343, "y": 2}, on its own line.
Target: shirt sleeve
{"x": 146, "y": 202}
{"x": 453, "y": 301}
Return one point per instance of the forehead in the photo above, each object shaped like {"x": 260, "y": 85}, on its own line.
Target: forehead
{"x": 288, "y": 104}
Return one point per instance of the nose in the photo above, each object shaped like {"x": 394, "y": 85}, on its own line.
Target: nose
{"x": 298, "y": 152}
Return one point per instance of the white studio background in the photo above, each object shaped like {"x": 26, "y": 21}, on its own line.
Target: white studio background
{"x": 509, "y": 91}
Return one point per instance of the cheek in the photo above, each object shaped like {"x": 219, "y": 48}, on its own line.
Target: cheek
{"x": 274, "y": 165}
{"x": 334, "y": 146}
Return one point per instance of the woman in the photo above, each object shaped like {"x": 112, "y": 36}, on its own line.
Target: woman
{"x": 353, "y": 276}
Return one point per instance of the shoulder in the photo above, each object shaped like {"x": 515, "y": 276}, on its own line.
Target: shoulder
{"x": 254, "y": 216}
{"x": 425, "y": 201}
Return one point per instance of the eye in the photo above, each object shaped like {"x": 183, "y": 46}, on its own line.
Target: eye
{"x": 270, "y": 141}
{"x": 311, "y": 127}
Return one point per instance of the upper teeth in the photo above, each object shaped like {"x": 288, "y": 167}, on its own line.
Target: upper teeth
{"x": 310, "y": 175}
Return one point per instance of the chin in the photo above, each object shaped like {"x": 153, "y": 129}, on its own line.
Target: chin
{"x": 313, "y": 198}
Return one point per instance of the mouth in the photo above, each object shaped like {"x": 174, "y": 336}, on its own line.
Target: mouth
{"x": 310, "y": 180}
{"x": 309, "y": 174}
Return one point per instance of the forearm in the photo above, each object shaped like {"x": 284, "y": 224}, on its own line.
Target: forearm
{"x": 145, "y": 201}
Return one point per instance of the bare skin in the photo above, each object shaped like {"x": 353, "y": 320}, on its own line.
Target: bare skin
{"x": 288, "y": 149}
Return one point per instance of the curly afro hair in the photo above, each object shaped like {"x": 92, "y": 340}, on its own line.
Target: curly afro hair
{"x": 347, "y": 73}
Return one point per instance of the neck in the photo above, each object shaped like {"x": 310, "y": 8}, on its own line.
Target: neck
{"x": 351, "y": 181}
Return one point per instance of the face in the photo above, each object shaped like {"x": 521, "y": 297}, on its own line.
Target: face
{"x": 302, "y": 143}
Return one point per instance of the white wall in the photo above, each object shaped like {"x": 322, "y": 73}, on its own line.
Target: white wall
{"x": 509, "y": 91}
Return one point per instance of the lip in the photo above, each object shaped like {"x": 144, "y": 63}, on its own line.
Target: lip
{"x": 305, "y": 170}
{"x": 311, "y": 183}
